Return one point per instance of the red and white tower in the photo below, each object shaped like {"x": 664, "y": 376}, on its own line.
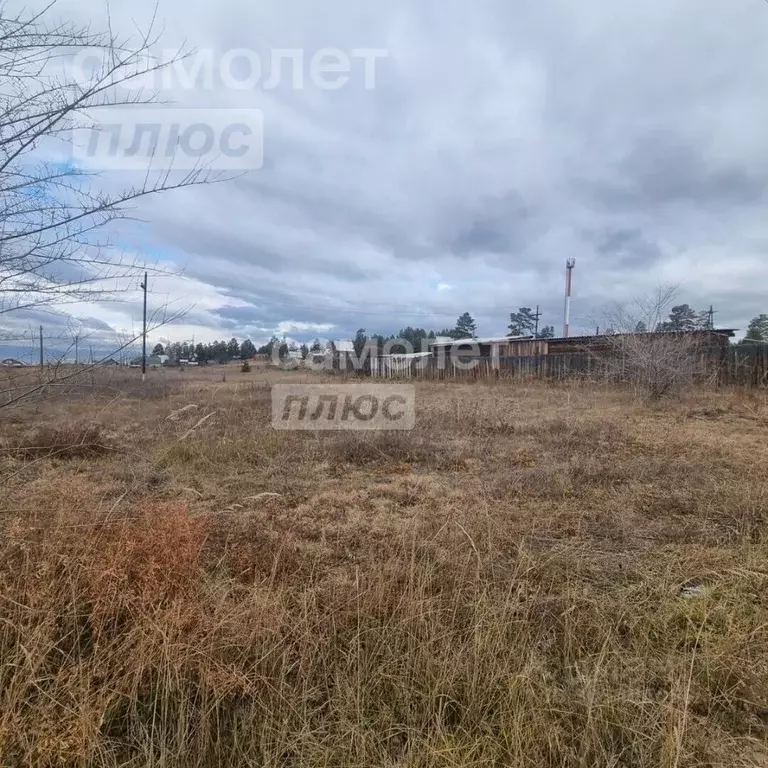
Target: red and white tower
{"x": 569, "y": 265}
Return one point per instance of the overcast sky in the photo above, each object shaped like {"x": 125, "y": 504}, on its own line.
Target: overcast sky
{"x": 501, "y": 137}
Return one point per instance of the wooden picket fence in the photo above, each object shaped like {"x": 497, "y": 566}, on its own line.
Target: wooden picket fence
{"x": 725, "y": 366}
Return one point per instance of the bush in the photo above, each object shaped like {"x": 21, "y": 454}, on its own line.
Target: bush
{"x": 659, "y": 364}
{"x": 246, "y": 367}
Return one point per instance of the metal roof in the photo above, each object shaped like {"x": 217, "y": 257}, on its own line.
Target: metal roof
{"x": 493, "y": 340}
{"x": 730, "y": 332}
{"x": 344, "y": 345}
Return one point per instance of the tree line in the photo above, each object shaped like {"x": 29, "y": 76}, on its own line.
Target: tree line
{"x": 682, "y": 318}
{"x": 215, "y": 352}
{"x": 225, "y": 351}
{"x": 524, "y": 322}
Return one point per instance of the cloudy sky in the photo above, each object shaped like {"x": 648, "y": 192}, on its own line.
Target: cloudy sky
{"x": 500, "y": 138}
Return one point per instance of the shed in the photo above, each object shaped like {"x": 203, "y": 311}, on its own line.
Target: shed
{"x": 492, "y": 348}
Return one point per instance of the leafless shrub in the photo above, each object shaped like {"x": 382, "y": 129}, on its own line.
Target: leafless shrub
{"x": 660, "y": 364}
{"x": 657, "y": 363}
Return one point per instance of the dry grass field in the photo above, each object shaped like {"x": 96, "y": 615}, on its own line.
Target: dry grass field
{"x": 534, "y": 576}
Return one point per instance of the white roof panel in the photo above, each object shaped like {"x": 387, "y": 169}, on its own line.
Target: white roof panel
{"x": 443, "y": 342}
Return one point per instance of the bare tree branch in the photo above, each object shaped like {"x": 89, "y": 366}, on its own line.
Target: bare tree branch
{"x": 50, "y": 212}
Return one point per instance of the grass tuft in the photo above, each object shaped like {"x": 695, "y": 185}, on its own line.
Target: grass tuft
{"x": 63, "y": 441}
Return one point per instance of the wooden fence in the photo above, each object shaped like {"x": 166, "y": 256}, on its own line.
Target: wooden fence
{"x": 737, "y": 365}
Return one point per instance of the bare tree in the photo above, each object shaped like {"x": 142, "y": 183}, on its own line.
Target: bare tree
{"x": 53, "y": 248}
{"x": 656, "y": 363}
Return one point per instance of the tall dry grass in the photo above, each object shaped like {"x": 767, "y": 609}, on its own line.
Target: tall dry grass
{"x": 531, "y": 577}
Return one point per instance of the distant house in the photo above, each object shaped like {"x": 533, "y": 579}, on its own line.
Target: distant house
{"x": 153, "y": 361}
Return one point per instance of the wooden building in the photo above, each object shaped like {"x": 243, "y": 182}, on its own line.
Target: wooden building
{"x": 446, "y": 353}
{"x": 521, "y": 347}
{"x": 443, "y": 351}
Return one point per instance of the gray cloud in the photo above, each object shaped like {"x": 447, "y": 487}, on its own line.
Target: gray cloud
{"x": 498, "y": 141}
{"x": 666, "y": 170}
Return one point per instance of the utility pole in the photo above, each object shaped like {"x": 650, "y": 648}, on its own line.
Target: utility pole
{"x": 711, "y": 318}
{"x": 144, "y": 333}
{"x": 41, "y": 347}
{"x": 536, "y": 329}
{"x": 569, "y": 265}
{"x": 77, "y": 356}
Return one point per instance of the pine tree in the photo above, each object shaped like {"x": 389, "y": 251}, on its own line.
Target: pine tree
{"x": 466, "y": 327}
{"x": 757, "y": 330}
{"x": 522, "y": 322}
{"x": 219, "y": 351}
{"x": 682, "y": 318}
{"x": 233, "y": 349}
{"x": 359, "y": 342}
{"x": 267, "y": 348}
